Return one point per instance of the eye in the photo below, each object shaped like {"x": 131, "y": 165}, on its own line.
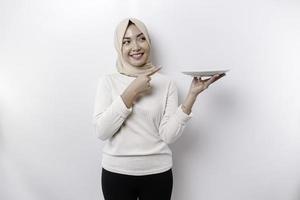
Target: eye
{"x": 143, "y": 38}
{"x": 126, "y": 42}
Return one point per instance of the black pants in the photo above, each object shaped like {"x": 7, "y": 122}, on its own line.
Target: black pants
{"x": 117, "y": 186}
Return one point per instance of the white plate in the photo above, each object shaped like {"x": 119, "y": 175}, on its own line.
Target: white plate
{"x": 204, "y": 73}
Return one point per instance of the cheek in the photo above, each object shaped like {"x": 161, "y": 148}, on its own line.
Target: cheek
{"x": 145, "y": 46}
{"x": 146, "y": 49}
{"x": 125, "y": 51}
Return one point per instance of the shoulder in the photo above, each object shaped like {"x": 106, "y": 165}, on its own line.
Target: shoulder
{"x": 104, "y": 80}
{"x": 165, "y": 82}
{"x": 108, "y": 77}
{"x": 168, "y": 80}
{"x": 163, "y": 78}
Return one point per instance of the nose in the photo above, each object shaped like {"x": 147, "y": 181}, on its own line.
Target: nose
{"x": 135, "y": 46}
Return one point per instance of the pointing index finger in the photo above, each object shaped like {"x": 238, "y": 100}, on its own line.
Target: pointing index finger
{"x": 154, "y": 71}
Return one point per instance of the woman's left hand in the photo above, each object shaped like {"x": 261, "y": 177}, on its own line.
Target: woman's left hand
{"x": 198, "y": 85}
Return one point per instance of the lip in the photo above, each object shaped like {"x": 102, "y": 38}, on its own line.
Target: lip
{"x": 139, "y": 57}
{"x": 136, "y": 53}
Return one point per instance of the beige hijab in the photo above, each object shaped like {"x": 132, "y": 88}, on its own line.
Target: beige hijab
{"x": 122, "y": 66}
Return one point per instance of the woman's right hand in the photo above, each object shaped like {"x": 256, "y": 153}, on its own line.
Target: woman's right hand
{"x": 138, "y": 87}
{"x": 142, "y": 83}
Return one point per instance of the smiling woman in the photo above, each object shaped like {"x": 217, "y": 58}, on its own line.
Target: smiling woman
{"x": 138, "y": 120}
{"x": 135, "y": 49}
{"x": 133, "y": 45}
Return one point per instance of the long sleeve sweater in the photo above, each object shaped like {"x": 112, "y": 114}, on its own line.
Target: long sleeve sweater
{"x": 136, "y": 138}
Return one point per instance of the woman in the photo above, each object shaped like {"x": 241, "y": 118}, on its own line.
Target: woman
{"x": 137, "y": 115}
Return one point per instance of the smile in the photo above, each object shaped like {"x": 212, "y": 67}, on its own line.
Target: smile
{"x": 137, "y": 56}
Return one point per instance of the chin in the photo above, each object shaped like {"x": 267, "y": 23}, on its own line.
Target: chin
{"x": 137, "y": 64}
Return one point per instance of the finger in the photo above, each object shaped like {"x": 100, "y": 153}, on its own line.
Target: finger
{"x": 205, "y": 80}
{"x": 210, "y": 80}
{"x": 149, "y": 87}
{"x": 195, "y": 79}
{"x": 198, "y": 79}
{"x": 154, "y": 71}
{"x": 218, "y": 77}
{"x": 215, "y": 78}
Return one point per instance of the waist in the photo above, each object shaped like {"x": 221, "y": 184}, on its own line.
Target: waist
{"x": 137, "y": 165}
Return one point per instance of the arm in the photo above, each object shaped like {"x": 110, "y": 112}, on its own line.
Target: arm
{"x": 188, "y": 103}
{"x": 173, "y": 122}
{"x": 174, "y": 119}
{"x": 197, "y": 86}
{"x": 128, "y": 97}
{"x": 108, "y": 115}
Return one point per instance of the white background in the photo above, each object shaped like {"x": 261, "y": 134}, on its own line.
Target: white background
{"x": 243, "y": 142}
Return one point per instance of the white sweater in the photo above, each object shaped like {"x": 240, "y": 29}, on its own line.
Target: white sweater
{"x": 137, "y": 138}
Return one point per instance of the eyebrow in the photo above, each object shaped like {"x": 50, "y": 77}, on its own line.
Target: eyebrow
{"x": 136, "y": 36}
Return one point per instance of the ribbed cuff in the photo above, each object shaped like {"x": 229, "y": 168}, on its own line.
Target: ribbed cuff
{"x": 182, "y": 116}
{"x": 121, "y": 107}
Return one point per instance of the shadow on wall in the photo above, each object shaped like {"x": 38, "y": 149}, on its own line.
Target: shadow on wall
{"x": 36, "y": 183}
{"x": 225, "y": 104}
{"x": 222, "y": 105}
{"x": 1, "y": 130}
{"x": 15, "y": 167}
{"x": 197, "y": 137}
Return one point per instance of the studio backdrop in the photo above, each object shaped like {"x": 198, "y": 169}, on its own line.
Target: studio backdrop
{"x": 243, "y": 142}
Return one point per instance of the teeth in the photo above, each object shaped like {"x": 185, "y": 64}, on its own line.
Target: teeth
{"x": 137, "y": 55}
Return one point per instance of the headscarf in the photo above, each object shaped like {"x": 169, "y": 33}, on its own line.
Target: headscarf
{"x": 122, "y": 66}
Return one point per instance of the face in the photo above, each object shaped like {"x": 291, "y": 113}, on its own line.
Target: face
{"x": 135, "y": 48}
